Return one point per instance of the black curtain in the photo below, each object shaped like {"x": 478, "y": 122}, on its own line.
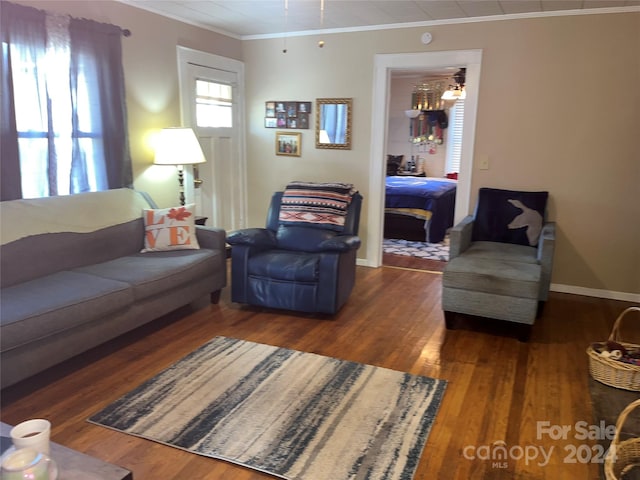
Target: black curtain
{"x": 103, "y": 43}
{"x": 26, "y": 26}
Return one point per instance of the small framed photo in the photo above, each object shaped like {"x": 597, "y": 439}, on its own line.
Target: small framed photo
{"x": 303, "y": 120}
{"x": 270, "y": 122}
{"x": 292, "y": 109}
{"x": 288, "y": 143}
{"x": 270, "y": 109}
{"x": 304, "y": 107}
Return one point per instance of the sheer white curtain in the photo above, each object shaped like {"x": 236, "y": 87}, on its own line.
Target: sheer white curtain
{"x": 63, "y": 99}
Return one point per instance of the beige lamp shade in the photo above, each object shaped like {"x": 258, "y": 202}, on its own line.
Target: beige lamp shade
{"x": 178, "y": 146}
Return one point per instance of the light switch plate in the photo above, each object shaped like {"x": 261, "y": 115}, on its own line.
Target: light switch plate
{"x": 483, "y": 162}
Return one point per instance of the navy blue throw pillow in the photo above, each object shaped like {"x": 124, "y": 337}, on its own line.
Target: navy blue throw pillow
{"x": 509, "y": 216}
{"x": 393, "y": 164}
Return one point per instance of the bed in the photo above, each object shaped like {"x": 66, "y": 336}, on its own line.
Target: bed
{"x": 419, "y": 208}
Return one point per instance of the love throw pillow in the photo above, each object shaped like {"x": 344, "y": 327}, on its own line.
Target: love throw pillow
{"x": 170, "y": 229}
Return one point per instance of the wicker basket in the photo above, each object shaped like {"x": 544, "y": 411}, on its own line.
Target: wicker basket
{"x": 622, "y": 456}
{"x": 614, "y": 372}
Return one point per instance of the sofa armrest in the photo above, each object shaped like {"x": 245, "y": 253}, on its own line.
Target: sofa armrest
{"x": 253, "y": 237}
{"x": 460, "y": 237}
{"x": 546, "y": 249}
{"x": 211, "y": 237}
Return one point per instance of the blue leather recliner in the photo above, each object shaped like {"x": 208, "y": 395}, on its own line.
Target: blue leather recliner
{"x": 292, "y": 267}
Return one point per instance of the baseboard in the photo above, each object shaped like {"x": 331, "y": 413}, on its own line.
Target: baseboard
{"x": 595, "y": 292}
{"x": 556, "y": 287}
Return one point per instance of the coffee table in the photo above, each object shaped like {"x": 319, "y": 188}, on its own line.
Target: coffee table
{"x": 73, "y": 465}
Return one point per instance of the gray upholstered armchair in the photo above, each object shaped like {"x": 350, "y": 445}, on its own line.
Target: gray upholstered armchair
{"x": 500, "y": 259}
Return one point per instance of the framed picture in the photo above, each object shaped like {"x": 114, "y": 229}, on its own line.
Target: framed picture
{"x": 287, "y": 114}
{"x": 303, "y": 120}
{"x": 288, "y": 143}
{"x": 270, "y": 109}
{"x": 292, "y": 109}
{"x": 304, "y": 107}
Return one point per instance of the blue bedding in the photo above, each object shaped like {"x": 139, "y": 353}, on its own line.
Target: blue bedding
{"x": 431, "y": 199}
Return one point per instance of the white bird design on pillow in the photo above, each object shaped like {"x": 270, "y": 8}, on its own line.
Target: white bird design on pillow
{"x": 528, "y": 218}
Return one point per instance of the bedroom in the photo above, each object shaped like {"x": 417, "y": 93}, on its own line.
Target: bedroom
{"x": 424, "y": 139}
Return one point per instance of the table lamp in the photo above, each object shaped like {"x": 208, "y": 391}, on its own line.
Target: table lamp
{"x": 179, "y": 146}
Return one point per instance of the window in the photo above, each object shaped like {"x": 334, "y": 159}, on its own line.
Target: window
{"x": 214, "y": 105}
{"x": 454, "y": 149}
{"x": 66, "y": 112}
{"x": 44, "y": 120}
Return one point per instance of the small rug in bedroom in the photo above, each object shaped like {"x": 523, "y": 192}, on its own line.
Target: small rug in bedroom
{"x": 431, "y": 251}
{"x": 291, "y": 414}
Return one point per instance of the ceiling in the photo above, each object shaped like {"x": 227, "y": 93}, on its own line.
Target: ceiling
{"x": 248, "y": 18}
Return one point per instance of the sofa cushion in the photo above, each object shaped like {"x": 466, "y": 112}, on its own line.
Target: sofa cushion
{"x": 58, "y": 302}
{"x": 281, "y": 265}
{"x": 170, "y": 229}
{"x": 478, "y": 271}
{"x": 39, "y": 255}
{"x": 154, "y": 273}
{"x": 509, "y": 216}
{"x": 503, "y": 251}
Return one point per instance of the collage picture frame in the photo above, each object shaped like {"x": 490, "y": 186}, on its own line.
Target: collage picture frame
{"x": 287, "y": 115}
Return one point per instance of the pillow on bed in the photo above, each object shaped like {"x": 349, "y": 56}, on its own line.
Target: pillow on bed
{"x": 393, "y": 164}
{"x": 509, "y": 216}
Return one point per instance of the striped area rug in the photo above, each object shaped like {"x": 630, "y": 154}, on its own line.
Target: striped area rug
{"x": 292, "y": 414}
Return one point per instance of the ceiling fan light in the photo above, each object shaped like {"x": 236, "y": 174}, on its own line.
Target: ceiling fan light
{"x": 412, "y": 113}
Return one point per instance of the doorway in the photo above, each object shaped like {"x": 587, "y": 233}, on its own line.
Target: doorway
{"x": 211, "y": 99}
{"x": 385, "y": 65}
{"x": 423, "y": 131}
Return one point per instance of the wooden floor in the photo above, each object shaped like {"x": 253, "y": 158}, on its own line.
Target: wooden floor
{"x": 498, "y": 390}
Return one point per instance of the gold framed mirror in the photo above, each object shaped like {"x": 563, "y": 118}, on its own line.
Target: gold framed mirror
{"x": 333, "y": 123}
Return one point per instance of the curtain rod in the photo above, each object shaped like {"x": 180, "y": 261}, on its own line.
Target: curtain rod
{"x": 124, "y": 31}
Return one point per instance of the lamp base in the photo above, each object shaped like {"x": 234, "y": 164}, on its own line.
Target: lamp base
{"x": 181, "y": 184}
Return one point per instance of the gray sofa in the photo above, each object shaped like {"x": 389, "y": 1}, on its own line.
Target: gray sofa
{"x": 68, "y": 285}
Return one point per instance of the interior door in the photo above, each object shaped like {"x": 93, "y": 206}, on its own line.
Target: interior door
{"x": 212, "y": 106}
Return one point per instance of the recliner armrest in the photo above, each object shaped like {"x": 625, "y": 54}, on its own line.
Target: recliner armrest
{"x": 460, "y": 237}
{"x": 253, "y": 237}
{"x": 211, "y": 237}
{"x": 340, "y": 243}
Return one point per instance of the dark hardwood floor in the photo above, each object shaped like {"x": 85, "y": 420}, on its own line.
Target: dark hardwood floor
{"x": 406, "y": 261}
{"x": 499, "y": 388}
